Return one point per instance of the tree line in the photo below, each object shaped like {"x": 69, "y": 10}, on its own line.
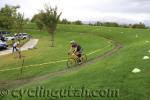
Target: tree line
{"x": 139, "y": 25}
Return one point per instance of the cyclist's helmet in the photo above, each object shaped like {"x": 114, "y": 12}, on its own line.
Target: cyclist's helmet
{"x": 72, "y": 42}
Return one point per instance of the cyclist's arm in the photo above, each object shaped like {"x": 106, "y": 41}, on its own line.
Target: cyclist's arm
{"x": 71, "y": 50}
{"x": 75, "y": 50}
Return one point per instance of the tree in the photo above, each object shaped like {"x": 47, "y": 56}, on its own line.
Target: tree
{"x": 38, "y": 20}
{"x": 65, "y": 21}
{"x": 10, "y": 19}
{"x": 140, "y": 25}
{"x": 7, "y": 16}
{"x": 90, "y": 24}
{"x": 39, "y": 24}
{"x": 125, "y": 26}
{"x": 19, "y": 23}
{"x": 78, "y": 22}
{"x": 110, "y": 24}
{"x": 50, "y": 18}
{"x": 98, "y": 23}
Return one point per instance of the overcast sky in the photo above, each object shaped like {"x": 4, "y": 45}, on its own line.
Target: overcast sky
{"x": 123, "y": 11}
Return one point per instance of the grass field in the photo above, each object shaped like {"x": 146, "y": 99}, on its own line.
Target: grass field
{"x": 112, "y": 72}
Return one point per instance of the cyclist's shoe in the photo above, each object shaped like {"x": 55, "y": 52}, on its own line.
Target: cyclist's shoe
{"x": 79, "y": 62}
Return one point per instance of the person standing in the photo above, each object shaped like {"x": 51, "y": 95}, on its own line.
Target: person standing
{"x": 15, "y": 47}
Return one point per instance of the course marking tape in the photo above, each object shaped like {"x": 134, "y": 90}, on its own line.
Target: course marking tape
{"x": 95, "y": 51}
{"x": 52, "y": 62}
{"x": 17, "y": 68}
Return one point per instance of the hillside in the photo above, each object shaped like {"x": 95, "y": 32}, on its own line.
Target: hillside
{"x": 113, "y": 71}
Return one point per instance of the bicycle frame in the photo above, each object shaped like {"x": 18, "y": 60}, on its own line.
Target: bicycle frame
{"x": 73, "y": 56}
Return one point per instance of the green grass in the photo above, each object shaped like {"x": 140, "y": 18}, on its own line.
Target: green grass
{"x": 44, "y": 53}
{"x": 22, "y": 42}
{"x": 113, "y": 72}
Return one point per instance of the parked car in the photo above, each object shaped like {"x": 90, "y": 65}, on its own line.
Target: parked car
{"x": 22, "y": 36}
{"x": 9, "y": 38}
{"x": 2, "y": 37}
{"x": 3, "y": 45}
{"x": 4, "y": 32}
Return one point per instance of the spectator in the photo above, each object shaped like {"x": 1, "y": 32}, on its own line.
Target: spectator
{"x": 15, "y": 47}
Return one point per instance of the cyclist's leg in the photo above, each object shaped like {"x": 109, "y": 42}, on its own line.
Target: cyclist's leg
{"x": 78, "y": 54}
{"x": 74, "y": 56}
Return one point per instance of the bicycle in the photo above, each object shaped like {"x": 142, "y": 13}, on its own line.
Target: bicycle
{"x": 74, "y": 60}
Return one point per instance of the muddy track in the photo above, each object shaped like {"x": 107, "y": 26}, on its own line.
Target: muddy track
{"x": 33, "y": 80}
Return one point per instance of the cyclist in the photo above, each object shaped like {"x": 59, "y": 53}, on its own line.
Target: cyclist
{"x": 76, "y": 50}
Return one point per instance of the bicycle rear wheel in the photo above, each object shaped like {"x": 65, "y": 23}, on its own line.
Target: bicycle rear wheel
{"x": 71, "y": 62}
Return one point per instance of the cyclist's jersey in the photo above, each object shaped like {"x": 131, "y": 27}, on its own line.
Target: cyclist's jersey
{"x": 76, "y": 46}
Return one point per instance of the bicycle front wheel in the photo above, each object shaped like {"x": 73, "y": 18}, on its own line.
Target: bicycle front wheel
{"x": 71, "y": 62}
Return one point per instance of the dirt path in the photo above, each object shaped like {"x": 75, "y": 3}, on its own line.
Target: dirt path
{"x": 29, "y": 45}
{"x": 15, "y": 83}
